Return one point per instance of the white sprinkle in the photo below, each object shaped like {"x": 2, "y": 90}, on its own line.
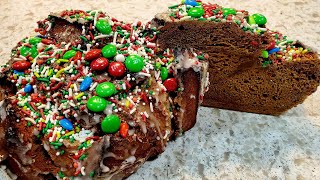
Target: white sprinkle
{"x": 133, "y": 110}
{"x": 66, "y": 111}
{"x": 55, "y": 94}
{"x": 30, "y": 119}
{"x": 70, "y": 91}
{"x": 75, "y": 87}
{"x": 101, "y": 36}
{"x": 94, "y": 85}
{"x": 151, "y": 107}
{"x": 144, "y": 74}
{"x": 54, "y": 78}
{"x": 115, "y": 37}
{"x": 42, "y": 106}
{"x": 146, "y": 114}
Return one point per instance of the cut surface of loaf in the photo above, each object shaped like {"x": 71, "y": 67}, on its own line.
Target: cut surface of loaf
{"x": 252, "y": 68}
{"x": 92, "y": 96}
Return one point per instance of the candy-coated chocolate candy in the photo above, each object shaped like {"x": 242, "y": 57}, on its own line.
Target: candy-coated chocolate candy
{"x": 171, "y": 84}
{"x": 227, "y": 11}
{"x": 78, "y": 56}
{"x": 24, "y": 51}
{"x": 34, "y": 52}
{"x": 116, "y": 69}
{"x": 28, "y": 88}
{"x": 196, "y": 12}
{"x": 259, "y": 19}
{"x": 105, "y": 89}
{"x": 103, "y": 26}
{"x": 271, "y": 45}
{"x": 66, "y": 124}
{"x": 120, "y": 58}
{"x": 85, "y": 84}
{"x": 134, "y": 63}
{"x": 274, "y": 50}
{"x": 21, "y": 65}
{"x": 109, "y": 51}
{"x": 99, "y": 64}
{"x": 18, "y": 72}
{"x": 164, "y": 73}
{"x": 191, "y": 2}
{"x": 96, "y": 104}
{"x": 110, "y": 124}
{"x": 93, "y": 54}
{"x": 124, "y": 128}
{"x": 69, "y": 54}
{"x": 34, "y": 40}
{"x": 265, "y": 54}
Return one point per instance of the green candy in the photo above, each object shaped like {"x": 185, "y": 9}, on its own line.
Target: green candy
{"x": 251, "y": 20}
{"x": 103, "y": 26}
{"x": 134, "y": 63}
{"x": 69, "y": 54}
{"x": 265, "y": 54}
{"x": 109, "y": 51}
{"x": 259, "y": 19}
{"x": 196, "y": 12}
{"x": 227, "y": 11}
{"x": 34, "y": 52}
{"x": 34, "y": 40}
{"x": 96, "y": 104}
{"x": 110, "y": 124}
{"x": 164, "y": 73}
{"x": 24, "y": 51}
{"x": 105, "y": 89}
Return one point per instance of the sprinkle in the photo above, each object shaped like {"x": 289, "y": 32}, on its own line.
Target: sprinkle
{"x": 30, "y": 120}
{"x": 59, "y": 72}
{"x": 151, "y": 107}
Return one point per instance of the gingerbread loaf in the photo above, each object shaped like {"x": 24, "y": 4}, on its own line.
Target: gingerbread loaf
{"x": 252, "y": 68}
{"x": 91, "y": 96}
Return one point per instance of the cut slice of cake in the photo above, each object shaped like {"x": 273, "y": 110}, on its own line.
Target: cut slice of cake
{"x": 252, "y": 68}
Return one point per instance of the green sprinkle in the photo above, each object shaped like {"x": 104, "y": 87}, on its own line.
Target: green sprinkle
{"x": 82, "y": 157}
{"x": 61, "y": 175}
{"x": 84, "y": 38}
{"x": 173, "y": 6}
{"x": 56, "y": 144}
{"x": 43, "y": 79}
{"x": 62, "y": 152}
{"x": 91, "y": 174}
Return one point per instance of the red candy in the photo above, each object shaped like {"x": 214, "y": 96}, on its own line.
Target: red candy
{"x": 271, "y": 45}
{"x": 124, "y": 127}
{"x": 171, "y": 84}
{"x": 93, "y": 54}
{"x": 78, "y": 56}
{"x": 99, "y": 64}
{"x": 21, "y": 65}
{"x": 116, "y": 69}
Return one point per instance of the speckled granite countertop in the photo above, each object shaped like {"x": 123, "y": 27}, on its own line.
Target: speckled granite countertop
{"x": 223, "y": 144}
